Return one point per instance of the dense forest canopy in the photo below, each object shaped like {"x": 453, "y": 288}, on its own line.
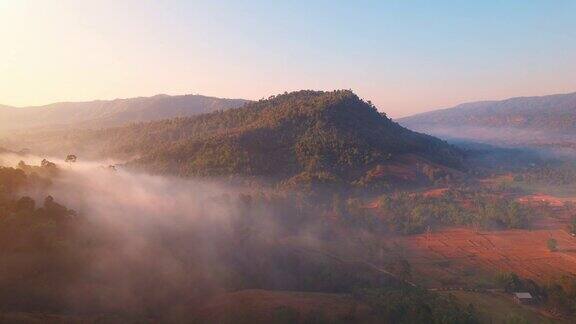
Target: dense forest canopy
{"x": 303, "y": 136}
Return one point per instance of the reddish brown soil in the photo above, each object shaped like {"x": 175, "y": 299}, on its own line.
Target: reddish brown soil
{"x": 435, "y": 193}
{"x": 498, "y": 179}
{"x": 542, "y": 199}
{"x": 560, "y": 220}
{"x": 521, "y": 251}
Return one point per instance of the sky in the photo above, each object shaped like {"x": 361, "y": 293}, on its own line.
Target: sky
{"x": 404, "y": 56}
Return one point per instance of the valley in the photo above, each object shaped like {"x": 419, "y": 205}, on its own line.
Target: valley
{"x": 287, "y": 162}
{"x": 307, "y": 207}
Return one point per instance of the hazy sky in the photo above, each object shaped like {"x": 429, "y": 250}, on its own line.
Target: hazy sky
{"x": 405, "y": 56}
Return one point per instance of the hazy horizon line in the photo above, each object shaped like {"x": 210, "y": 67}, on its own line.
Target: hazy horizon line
{"x": 381, "y": 109}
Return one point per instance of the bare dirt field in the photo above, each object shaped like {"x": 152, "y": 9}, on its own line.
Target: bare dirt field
{"x": 504, "y": 178}
{"x": 454, "y": 255}
{"x": 435, "y": 193}
{"x": 552, "y": 201}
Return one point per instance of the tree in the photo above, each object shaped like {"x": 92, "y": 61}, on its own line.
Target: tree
{"x": 516, "y": 319}
{"x": 23, "y": 166}
{"x": 552, "y": 244}
{"x": 338, "y": 206}
{"x": 26, "y": 204}
{"x": 510, "y": 281}
{"x": 47, "y": 164}
{"x": 400, "y": 267}
{"x": 71, "y": 158}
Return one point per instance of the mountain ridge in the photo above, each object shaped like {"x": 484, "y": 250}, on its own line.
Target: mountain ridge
{"x": 106, "y": 113}
{"x": 546, "y": 113}
{"x": 300, "y": 136}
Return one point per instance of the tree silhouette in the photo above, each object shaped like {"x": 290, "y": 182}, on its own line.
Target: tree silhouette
{"x": 71, "y": 158}
{"x": 552, "y": 244}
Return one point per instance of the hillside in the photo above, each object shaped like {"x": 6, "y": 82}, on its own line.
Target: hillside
{"x": 302, "y": 136}
{"x": 101, "y": 113}
{"x": 554, "y": 113}
{"x": 262, "y": 306}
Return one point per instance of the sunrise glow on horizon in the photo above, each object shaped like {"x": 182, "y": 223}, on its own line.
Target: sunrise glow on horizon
{"x": 406, "y": 57}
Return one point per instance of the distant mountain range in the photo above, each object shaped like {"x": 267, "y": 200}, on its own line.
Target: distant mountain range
{"x": 524, "y": 115}
{"x": 106, "y": 113}
{"x": 304, "y": 136}
{"x": 554, "y": 112}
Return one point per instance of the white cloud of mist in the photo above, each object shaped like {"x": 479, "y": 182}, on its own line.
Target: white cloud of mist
{"x": 157, "y": 247}
{"x": 493, "y": 135}
{"x": 546, "y": 144}
{"x": 12, "y": 159}
{"x": 156, "y": 238}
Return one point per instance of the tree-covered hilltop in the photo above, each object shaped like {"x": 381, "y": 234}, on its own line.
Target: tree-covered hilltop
{"x": 303, "y": 136}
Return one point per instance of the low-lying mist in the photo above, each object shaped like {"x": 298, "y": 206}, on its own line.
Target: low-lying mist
{"x": 490, "y": 134}
{"x": 156, "y": 246}
{"x": 544, "y": 143}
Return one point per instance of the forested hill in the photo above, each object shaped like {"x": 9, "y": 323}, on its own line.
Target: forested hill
{"x": 555, "y": 113}
{"x": 103, "y": 113}
{"x": 301, "y": 136}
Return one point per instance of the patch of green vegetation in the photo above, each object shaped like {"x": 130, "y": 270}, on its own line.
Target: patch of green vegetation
{"x": 558, "y": 190}
{"x": 415, "y": 305}
{"x": 554, "y": 177}
{"x": 552, "y": 244}
{"x": 408, "y": 213}
{"x": 498, "y": 308}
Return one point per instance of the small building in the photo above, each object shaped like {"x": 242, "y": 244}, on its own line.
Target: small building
{"x": 523, "y": 298}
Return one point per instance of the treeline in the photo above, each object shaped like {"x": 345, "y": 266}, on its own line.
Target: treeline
{"x": 558, "y": 294}
{"x": 416, "y": 305}
{"x": 410, "y": 213}
{"x": 38, "y": 247}
{"x": 558, "y": 172}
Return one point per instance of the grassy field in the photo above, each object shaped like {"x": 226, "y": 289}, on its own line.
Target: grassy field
{"x": 500, "y": 308}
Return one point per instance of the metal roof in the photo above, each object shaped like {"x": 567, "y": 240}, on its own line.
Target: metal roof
{"x": 523, "y": 295}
